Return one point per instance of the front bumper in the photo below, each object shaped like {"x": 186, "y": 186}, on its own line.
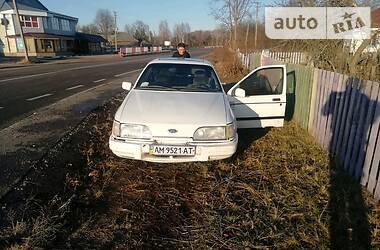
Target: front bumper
{"x": 139, "y": 150}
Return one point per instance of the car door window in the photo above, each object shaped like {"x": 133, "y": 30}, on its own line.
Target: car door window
{"x": 266, "y": 81}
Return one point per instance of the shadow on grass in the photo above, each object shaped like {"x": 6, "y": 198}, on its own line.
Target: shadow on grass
{"x": 247, "y": 137}
{"x": 349, "y": 227}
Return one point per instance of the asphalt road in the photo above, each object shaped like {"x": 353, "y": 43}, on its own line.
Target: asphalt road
{"x": 25, "y": 89}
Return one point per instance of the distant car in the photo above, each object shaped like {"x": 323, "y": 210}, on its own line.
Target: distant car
{"x": 169, "y": 48}
{"x": 178, "y": 111}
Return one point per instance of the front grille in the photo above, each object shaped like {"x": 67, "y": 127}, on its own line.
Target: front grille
{"x": 172, "y": 140}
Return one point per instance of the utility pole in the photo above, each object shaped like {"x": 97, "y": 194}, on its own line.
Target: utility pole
{"x": 247, "y": 32}
{"x": 21, "y": 31}
{"x": 257, "y": 20}
{"x": 115, "y": 14}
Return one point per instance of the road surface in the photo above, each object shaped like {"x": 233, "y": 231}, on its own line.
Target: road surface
{"x": 25, "y": 89}
{"x": 41, "y": 104}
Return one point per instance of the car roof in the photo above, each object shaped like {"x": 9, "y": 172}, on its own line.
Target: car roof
{"x": 176, "y": 60}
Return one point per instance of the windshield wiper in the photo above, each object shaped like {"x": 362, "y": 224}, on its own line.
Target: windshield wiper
{"x": 156, "y": 87}
{"x": 197, "y": 89}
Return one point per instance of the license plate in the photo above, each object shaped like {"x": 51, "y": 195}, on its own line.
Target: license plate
{"x": 172, "y": 150}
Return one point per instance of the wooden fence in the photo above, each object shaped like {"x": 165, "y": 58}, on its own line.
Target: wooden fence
{"x": 341, "y": 112}
{"x": 288, "y": 57}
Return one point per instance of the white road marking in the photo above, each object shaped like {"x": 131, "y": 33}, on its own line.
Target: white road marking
{"x": 127, "y": 72}
{"x": 38, "y": 97}
{"x": 104, "y": 84}
{"x": 1, "y": 107}
{"x": 66, "y": 70}
{"x": 29, "y": 76}
{"x": 75, "y": 87}
{"x": 101, "y": 80}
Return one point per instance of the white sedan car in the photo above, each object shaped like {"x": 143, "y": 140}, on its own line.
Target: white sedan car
{"x": 177, "y": 111}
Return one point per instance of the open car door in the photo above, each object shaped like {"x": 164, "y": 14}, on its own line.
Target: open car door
{"x": 259, "y": 99}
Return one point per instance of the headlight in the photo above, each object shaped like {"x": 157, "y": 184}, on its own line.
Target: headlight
{"x": 131, "y": 131}
{"x": 231, "y": 131}
{"x": 116, "y": 129}
{"x": 215, "y": 133}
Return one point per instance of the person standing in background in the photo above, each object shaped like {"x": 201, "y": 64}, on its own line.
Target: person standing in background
{"x": 181, "y": 51}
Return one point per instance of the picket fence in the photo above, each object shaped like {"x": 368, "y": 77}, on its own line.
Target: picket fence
{"x": 124, "y": 51}
{"x": 288, "y": 57}
{"x": 341, "y": 112}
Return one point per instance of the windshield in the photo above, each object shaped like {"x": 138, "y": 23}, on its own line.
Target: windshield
{"x": 180, "y": 77}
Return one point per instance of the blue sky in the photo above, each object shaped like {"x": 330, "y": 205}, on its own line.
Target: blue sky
{"x": 195, "y": 12}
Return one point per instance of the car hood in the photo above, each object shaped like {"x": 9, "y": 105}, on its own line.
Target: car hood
{"x": 182, "y": 111}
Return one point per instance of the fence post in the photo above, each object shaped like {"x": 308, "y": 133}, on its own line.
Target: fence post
{"x": 371, "y": 149}
{"x": 362, "y": 130}
{"x": 312, "y": 101}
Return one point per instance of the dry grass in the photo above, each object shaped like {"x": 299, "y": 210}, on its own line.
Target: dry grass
{"x": 228, "y": 65}
{"x": 278, "y": 192}
{"x": 265, "y": 197}
{"x": 274, "y": 194}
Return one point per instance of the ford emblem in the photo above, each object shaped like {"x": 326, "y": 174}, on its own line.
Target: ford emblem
{"x": 173, "y": 131}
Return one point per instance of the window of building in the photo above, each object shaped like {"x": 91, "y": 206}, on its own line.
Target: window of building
{"x": 45, "y": 21}
{"x": 65, "y": 24}
{"x": 20, "y": 44}
{"x": 55, "y": 23}
{"x": 29, "y": 21}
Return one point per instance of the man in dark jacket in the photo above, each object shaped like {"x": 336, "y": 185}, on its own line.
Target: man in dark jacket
{"x": 181, "y": 51}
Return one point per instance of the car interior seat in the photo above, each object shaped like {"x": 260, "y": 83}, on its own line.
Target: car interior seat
{"x": 201, "y": 78}
{"x": 162, "y": 78}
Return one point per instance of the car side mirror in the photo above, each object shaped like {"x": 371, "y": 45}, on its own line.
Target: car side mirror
{"x": 127, "y": 86}
{"x": 239, "y": 92}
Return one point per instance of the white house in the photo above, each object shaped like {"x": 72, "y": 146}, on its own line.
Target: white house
{"x": 46, "y": 33}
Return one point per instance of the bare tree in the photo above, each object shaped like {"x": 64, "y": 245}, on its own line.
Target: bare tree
{"x": 231, "y": 13}
{"x": 89, "y": 29}
{"x": 221, "y": 36}
{"x": 181, "y": 33}
{"x": 164, "y": 33}
{"x": 187, "y": 29}
{"x": 105, "y": 22}
{"x": 336, "y": 55}
{"x": 139, "y": 31}
{"x": 154, "y": 38}
{"x": 200, "y": 38}
{"x": 128, "y": 30}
